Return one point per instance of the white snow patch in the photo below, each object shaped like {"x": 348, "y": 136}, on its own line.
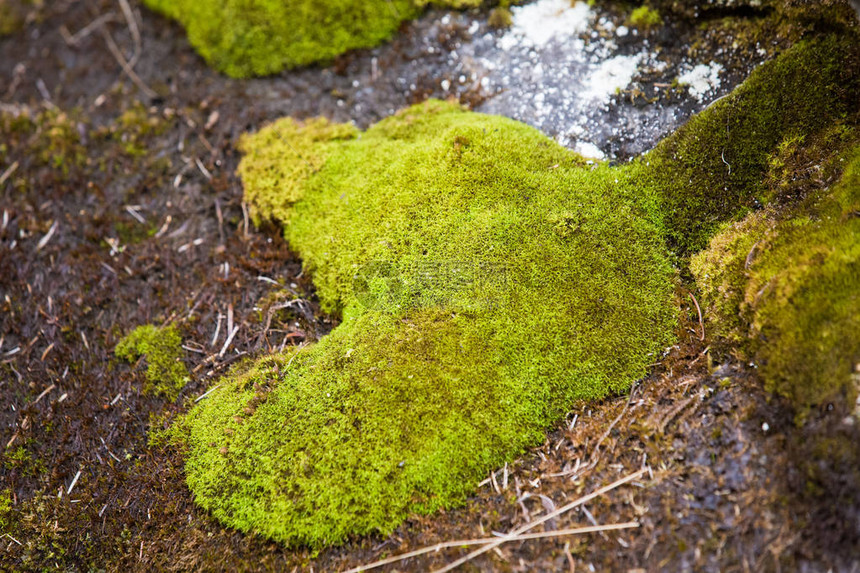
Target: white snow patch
{"x": 702, "y": 79}
{"x": 588, "y": 150}
{"x": 539, "y": 23}
{"x": 610, "y": 76}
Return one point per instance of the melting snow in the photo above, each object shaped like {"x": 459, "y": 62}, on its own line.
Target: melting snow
{"x": 539, "y": 23}
{"x": 702, "y": 79}
{"x": 552, "y": 69}
{"x": 610, "y": 76}
{"x": 589, "y": 150}
{"x": 566, "y": 69}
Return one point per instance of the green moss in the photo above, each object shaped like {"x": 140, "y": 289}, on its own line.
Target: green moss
{"x": 645, "y": 17}
{"x": 714, "y": 169}
{"x": 5, "y": 509}
{"x": 45, "y": 138}
{"x": 134, "y": 127}
{"x": 258, "y": 37}
{"x": 162, "y": 348}
{"x": 787, "y": 282}
{"x": 500, "y": 18}
{"x": 486, "y": 277}
{"x": 13, "y": 15}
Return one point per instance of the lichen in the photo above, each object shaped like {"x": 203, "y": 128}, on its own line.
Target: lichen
{"x": 259, "y": 37}
{"x": 162, "y": 348}
{"x": 486, "y": 278}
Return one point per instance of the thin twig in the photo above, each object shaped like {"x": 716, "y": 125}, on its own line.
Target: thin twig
{"x": 74, "y": 482}
{"x": 44, "y": 393}
{"x": 8, "y": 173}
{"x": 48, "y": 235}
{"x": 209, "y": 391}
{"x": 701, "y": 321}
{"x": 117, "y": 54}
{"x": 493, "y": 540}
{"x": 134, "y": 30}
{"x": 75, "y": 39}
{"x": 228, "y": 341}
{"x": 542, "y": 519}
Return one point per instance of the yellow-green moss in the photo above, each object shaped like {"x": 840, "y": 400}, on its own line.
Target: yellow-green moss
{"x": 258, "y": 37}
{"x": 500, "y": 18}
{"x": 645, "y": 17}
{"x": 13, "y": 14}
{"x": 50, "y": 137}
{"x": 486, "y": 277}
{"x": 714, "y": 169}
{"x": 785, "y": 285}
{"x": 134, "y": 127}
{"x": 162, "y": 349}
{"x": 5, "y": 510}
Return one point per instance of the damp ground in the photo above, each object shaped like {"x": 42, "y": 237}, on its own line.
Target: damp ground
{"x": 148, "y": 226}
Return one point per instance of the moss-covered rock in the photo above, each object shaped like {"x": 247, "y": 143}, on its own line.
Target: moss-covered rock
{"x": 162, "y": 349}
{"x": 784, "y": 285}
{"x": 245, "y": 38}
{"x": 486, "y": 277}
{"x": 714, "y": 169}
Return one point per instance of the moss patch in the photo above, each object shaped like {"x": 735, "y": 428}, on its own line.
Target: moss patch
{"x": 645, "y": 17}
{"x": 252, "y": 38}
{"x": 785, "y": 285}
{"x": 50, "y": 137}
{"x": 5, "y": 510}
{"x": 13, "y": 15}
{"x": 162, "y": 348}
{"x": 486, "y": 277}
{"x": 714, "y": 169}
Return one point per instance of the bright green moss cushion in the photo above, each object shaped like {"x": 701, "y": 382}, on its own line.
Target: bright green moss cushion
{"x": 245, "y": 38}
{"x": 487, "y": 278}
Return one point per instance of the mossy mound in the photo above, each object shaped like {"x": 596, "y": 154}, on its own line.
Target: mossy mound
{"x": 162, "y": 349}
{"x": 487, "y": 278}
{"x": 245, "y": 38}
{"x": 785, "y": 286}
{"x": 714, "y": 169}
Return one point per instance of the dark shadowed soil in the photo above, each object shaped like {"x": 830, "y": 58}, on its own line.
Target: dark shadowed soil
{"x": 143, "y": 222}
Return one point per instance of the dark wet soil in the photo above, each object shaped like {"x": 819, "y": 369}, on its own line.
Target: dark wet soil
{"x": 148, "y": 226}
